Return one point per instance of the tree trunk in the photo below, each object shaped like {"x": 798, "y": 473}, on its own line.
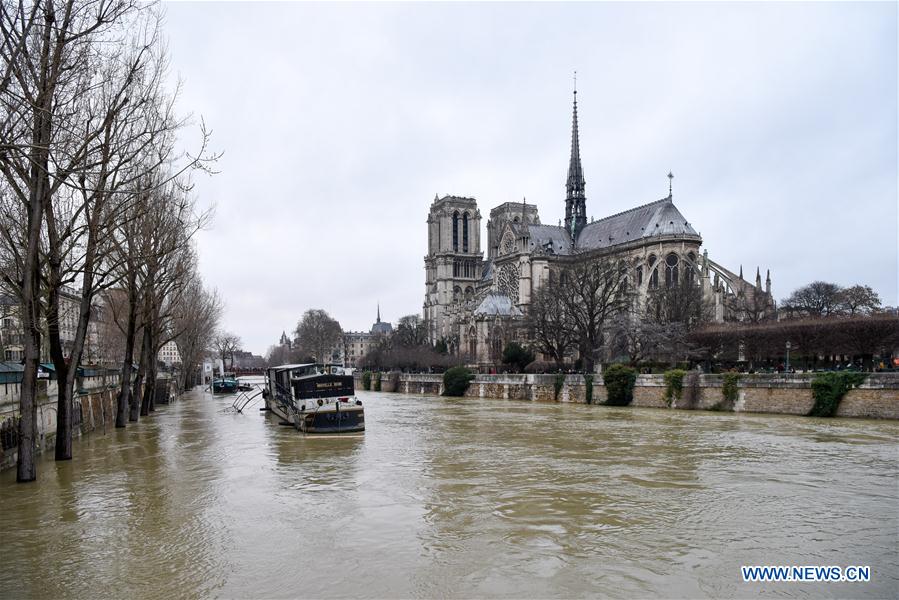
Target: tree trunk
{"x": 25, "y": 467}
{"x": 40, "y": 188}
{"x": 137, "y": 409}
{"x": 152, "y": 369}
{"x": 63, "y": 450}
{"x": 149, "y": 403}
{"x": 64, "y": 392}
{"x": 124, "y": 398}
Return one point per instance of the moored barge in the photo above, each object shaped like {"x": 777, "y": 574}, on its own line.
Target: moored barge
{"x": 314, "y": 398}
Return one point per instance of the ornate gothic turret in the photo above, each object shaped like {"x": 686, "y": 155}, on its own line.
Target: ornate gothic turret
{"x": 575, "y": 199}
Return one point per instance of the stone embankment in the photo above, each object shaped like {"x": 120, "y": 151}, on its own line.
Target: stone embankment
{"x": 95, "y": 409}
{"x": 877, "y": 397}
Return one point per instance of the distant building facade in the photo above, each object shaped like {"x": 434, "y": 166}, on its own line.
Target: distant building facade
{"x": 169, "y": 355}
{"x": 356, "y": 344}
{"x": 247, "y": 360}
{"x": 12, "y": 334}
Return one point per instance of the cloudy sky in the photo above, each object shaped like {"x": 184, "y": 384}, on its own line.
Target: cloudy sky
{"x": 340, "y": 123}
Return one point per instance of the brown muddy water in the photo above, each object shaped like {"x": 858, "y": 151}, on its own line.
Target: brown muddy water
{"x": 456, "y": 498}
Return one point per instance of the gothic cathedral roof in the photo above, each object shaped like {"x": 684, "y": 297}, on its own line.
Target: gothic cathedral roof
{"x": 654, "y": 219}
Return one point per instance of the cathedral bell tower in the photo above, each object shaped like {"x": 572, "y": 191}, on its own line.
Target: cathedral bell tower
{"x": 454, "y": 264}
{"x": 575, "y": 198}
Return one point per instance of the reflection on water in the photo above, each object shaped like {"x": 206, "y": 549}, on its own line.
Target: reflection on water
{"x": 455, "y": 498}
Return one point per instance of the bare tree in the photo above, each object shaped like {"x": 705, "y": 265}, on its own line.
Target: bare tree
{"x": 123, "y": 108}
{"x": 226, "y": 344}
{"x": 817, "y": 299}
{"x": 196, "y": 316}
{"x": 638, "y": 338}
{"x": 859, "y": 300}
{"x": 83, "y": 116}
{"x": 45, "y": 44}
{"x": 317, "y": 333}
{"x": 549, "y": 324}
{"x": 681, "y": 302}
{"x": 751, "y": 307}
{"x": 411, "y": 332}
{"x": 592, "y": 293}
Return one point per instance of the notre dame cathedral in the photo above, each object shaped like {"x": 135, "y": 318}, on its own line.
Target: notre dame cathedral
{"x": 475, "y": 303}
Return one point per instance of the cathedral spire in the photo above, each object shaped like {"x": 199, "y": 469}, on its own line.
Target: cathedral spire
{"x": 575, "y": 199}
{"x": 379, "y": 313}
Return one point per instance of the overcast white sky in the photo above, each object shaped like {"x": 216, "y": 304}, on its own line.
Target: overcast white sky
{"x": 340, "y": 122}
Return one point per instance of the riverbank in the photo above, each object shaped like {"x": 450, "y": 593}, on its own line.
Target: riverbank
{"x": 787, "y": 394}
{"x": 94, "y": 410}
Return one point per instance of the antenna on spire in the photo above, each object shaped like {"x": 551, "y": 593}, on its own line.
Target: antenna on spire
{"x": 670, "y": 181}
{"x": 575, "y": 82}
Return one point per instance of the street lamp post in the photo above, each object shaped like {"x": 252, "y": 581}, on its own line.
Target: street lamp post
{"x": 787, "y": 367}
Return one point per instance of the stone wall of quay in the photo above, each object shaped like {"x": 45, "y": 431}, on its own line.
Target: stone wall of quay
{"x": 790, "y": 394}
{"x": 94, "y": 410}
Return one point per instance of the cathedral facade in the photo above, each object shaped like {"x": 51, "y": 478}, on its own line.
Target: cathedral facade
{"x": 476, "y": 303}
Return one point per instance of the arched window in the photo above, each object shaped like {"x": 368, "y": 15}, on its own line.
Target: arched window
{"x": 465, "y": 232}
{"x": 691, "y": 268}
{"x": 455, "y": 232}
{"x": 457, "y": 293}
{"x": 639, "y": 275}
{"x": 671, "y": 270}
{"x": 654, "y": 279}
{"x": 455, "y": 268}
{"x": 469, "y": 292}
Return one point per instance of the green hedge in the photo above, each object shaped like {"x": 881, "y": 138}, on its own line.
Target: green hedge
{"x": 619, "y": 380}
{"x": 376, "y": 384}
{"x": 730, "y": 388}
{"x": 674, "y": 385}
{"x": 829, "y": 388}
{"x": 366, "y": 380}
{"x": 456, "y": 380}
{"x": 557, "y": 385}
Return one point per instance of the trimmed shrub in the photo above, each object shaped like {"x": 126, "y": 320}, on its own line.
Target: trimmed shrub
{"x": 619, "y": 380}
{"x": 557, "y": 385}
{"x": 588, "y": 388}
{"x": 829, "y": 388}
{"x": 366, "y": 380}
{"x": 674, "y": 385}
{"x": 730, "y": 390}
{"x": 456, "y": 380}
{"x": 376, "y": 384}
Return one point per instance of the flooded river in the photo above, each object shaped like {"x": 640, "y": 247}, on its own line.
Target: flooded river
{"x": 455, "y": 498}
